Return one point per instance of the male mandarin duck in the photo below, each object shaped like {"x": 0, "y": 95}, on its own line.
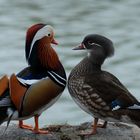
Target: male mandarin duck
{"x": 36, "y": 87}
{"x": 98, "y": 92}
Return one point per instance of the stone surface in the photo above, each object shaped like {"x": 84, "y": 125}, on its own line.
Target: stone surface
{"x": 114, "y": 131}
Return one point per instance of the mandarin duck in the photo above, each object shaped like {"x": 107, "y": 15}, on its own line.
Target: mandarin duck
{"x": 99, "y": 92}
{"x": 38, "y": 86}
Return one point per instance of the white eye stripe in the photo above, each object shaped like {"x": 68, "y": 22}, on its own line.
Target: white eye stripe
{"x": 94, "y": 44}
{"x": 40, "y": 34}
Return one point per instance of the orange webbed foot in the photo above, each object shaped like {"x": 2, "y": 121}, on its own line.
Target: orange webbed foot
{"x": 39, "y": 131}
{"x": 36, "y": 129}
{"x": 95, "y": 126}
{"x": 24, "y": 126}
{"x": 94, "y": 132}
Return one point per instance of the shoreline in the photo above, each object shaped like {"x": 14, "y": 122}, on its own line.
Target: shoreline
{"x": 113, "y": 131}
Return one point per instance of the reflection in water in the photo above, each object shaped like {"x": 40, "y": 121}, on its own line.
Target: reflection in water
{"x": 72, "y": 20}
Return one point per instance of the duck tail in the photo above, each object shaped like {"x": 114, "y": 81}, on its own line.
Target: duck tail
{"x": 6, "y": 108}
{"x": 3, "y": 114}
{"x": 134, "y": 113}
{"x": 6, "y": 111}
{"x": 6, "y": 114}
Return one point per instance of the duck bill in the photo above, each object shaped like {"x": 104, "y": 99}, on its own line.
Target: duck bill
{"x": 54, "y": 41}
{"x": 80, "y": 47}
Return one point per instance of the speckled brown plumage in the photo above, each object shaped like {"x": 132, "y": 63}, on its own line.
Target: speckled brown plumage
{"x": 99, "y": 92}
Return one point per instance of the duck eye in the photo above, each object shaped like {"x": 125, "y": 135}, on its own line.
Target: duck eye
{"x": 49, "y": 34}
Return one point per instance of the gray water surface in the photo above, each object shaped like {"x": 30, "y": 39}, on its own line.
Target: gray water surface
{"x": 73, "y": 19}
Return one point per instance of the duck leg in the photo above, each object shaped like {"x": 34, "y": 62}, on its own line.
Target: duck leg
{"x": 94, "y": 130}
{"x": 36, "y": 128}
{"x": 23, "y": 126}
{"x": 104, "y": 125}
{"x": 95, "y": 125}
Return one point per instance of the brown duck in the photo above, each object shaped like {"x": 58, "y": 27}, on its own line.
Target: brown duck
{"x": 98, "y": 92}
{"x": 36, "y": 87}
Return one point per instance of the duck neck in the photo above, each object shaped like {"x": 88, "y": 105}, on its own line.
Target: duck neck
{"x": 96, "y": 60}
{"x": 48, "y": 57}
{"x": 43, "y": 56}
{"x": 96, "y": 67}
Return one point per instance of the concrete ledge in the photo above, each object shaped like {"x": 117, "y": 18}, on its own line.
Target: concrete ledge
{"x": 114, "y": 131}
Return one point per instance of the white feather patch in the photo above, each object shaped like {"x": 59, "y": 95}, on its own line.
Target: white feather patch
{"x": 116, "y": 108}
{"x": 9, "y": 111}
{"x": 134, "y": 107}
{"x": 28, "y": 82}
{"x": 56, "y": 79}
{"x": 58, "y": 76}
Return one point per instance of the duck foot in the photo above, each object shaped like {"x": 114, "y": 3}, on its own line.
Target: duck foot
{"x": 104, "y": 125}
{"x": 39, "y": 131}
{"x": 87, "y": 133}
{"x": 24, "y": 126}
{"x": 94, "y": 130}
{"x": 36, "y": 130}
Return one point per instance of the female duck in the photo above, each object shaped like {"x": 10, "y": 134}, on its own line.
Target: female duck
{"x": 98, "y": 92}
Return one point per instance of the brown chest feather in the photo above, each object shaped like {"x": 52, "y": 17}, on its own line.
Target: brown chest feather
{"x": 39, "y": 95}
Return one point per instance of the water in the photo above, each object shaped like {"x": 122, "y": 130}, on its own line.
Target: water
{"x": 72, "y": 20}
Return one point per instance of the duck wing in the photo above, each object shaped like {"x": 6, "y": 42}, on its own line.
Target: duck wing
{"x": 28, "y": 76}
{"x": 110, "y": 90}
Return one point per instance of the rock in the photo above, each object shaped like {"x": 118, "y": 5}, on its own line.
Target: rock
{"x": 114, "y": 131}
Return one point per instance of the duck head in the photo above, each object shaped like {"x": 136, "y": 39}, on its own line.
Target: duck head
{"x": 38, "y": 50}
{"x": 98, "y": 47}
